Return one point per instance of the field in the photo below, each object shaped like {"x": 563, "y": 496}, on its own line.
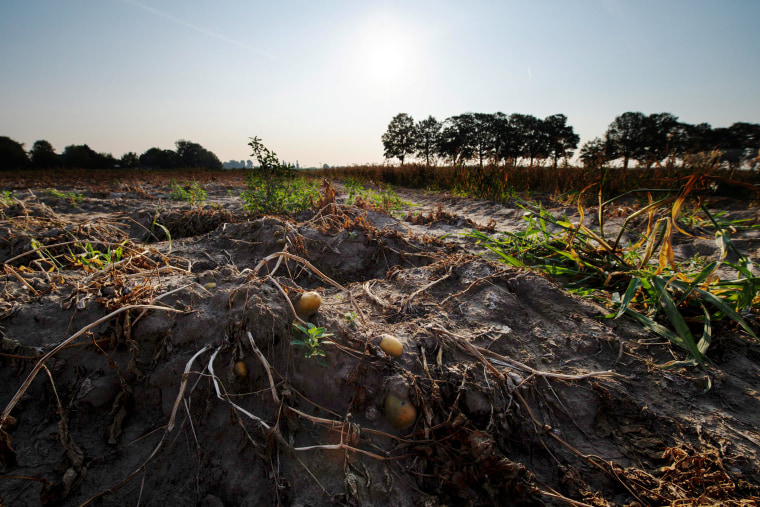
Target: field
{"x": 552, "y": 354}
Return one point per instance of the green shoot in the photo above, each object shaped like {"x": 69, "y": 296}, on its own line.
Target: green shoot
{"x": 311, "y": 338}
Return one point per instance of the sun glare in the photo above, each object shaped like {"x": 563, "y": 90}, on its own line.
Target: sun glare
{"x": 384, "y": 53}
{"x": 385, "y": 60}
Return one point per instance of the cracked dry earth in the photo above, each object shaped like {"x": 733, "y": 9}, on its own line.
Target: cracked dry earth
{"x": 181, "y": 385}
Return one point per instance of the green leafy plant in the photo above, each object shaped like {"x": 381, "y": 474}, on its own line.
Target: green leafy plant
{"x": 311, "y": 338}
{"x": 188, "y": 192}
{"x": 386, "y": 199}
{"x": 351, "y": 318}
{"x": 73, "y": 197}
{"x": 151, "y": 236}
{"x": 6, "y": 198}
{"x": 94, "y": 259}
{"x": 276, "y": 187}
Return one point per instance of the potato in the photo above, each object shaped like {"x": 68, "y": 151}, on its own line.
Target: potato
{"x": 241, "y": 369}
{"x": 399, "y": 411}
{"x": 308, "y": 304}
{"x": 391, "y": 345}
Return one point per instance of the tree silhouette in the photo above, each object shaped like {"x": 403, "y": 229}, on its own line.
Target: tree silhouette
{"x": 82, "y": 156}
{"x": 659, "y": 137}
{"x": 457, "y": 138}
{"x": 624, "y": 137}
{"x": 483, "y": 141}
{"x": 561, "y": 137}
{"x": 129, "y": 160}
{"x": 12, "y": 154}
{"x": 400, "y": 138}
{"x": 194, "y": 155}
{"x": 156, "y": 158}
{"x": 594, "y": 153}
{"x": 532, "y": 134}
{"x": 43, "y": 154}
{"x": 506, "y": 142}
{"x": 427, "y": 137}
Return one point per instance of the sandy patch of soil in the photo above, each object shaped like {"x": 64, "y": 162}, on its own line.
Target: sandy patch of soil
{"x": 520, "y": 394}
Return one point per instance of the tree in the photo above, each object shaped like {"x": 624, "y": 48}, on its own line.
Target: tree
{"x": 698, "y": 138}
{"x": 505, "y": 141}
{"x": 12, "y": 154}
{"x": 43, "y": 154}
{"x": 129, "y": 160}
{"x": 156, "y": 158}
{"x": 746, "y": 136}
{"x": 457, "y": 138}
{"x": 82, "y": 156}
{"x": 561, "y": 137}
{"x": 533, "y": 136}
{"x": 624, "y": 137}
{"x": 594, "y": 153}
{"x": 194, "y": 155}
{"x": 427, "y": 136}
{"x": 399, "y": 140}
{"x": 483, "y": 141}
{"x": 659, "y": 137}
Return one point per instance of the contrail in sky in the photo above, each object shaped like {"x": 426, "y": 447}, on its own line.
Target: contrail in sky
{"x": 199, "y": 29}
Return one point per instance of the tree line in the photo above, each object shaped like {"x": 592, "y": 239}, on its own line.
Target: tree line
{"x": 80, "y": 156}
{"x": 497, "y": 138}
{"x": 651, "y": 139}
{"x": 482, "y": 137}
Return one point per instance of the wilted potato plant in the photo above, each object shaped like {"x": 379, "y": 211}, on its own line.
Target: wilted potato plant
{"x": 652, "y": 283}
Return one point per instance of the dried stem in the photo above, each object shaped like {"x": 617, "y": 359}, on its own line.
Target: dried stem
{"x": 266, "y": 367}
{"x": 316, "y": 272}
{"x": 407, "y": 300}
{"x": 65, "y": 342}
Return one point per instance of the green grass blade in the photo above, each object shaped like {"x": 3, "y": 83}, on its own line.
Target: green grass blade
{"x": 721, "y": 305}
{"x": 656, "y": 328}
{"x": 630, "y": 292}
{"x": 745, "y": 270}
{"x": 701, "y": 277}
{"x": 506, "y": 257}
{"x": 168, "y": 236}
{"x": 675, "y": 317}
{"x": 726, "y": 309}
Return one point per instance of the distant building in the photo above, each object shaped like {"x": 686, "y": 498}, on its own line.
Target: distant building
{"x": 238, "y": 164}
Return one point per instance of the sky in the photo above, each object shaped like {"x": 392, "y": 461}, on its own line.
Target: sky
{"x": 319, "y": 81}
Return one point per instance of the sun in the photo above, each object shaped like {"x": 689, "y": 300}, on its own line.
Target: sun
{"x": 384, "y": 52}
{"x": 385, "y": 60}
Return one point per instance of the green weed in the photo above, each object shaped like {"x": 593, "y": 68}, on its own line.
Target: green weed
{"x": 276, "y": 187}
{"x": 386, "y": 199}
{"x": 188, "y": 192}
{"x": 72, "y": 197}
{"x": 6, "y": 198}
{"x": 93, "y": 259}
{"x": 311, "y": 338}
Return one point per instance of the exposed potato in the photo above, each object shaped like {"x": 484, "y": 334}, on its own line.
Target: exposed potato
{"x": 241, "y": 369}
{"x": 391, "y": 345}
{"x": 399, "y": 412}
{"x": 308, "y": 304}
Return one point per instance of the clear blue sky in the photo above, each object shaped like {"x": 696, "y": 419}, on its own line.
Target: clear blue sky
{"x": 320, "y": 80}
